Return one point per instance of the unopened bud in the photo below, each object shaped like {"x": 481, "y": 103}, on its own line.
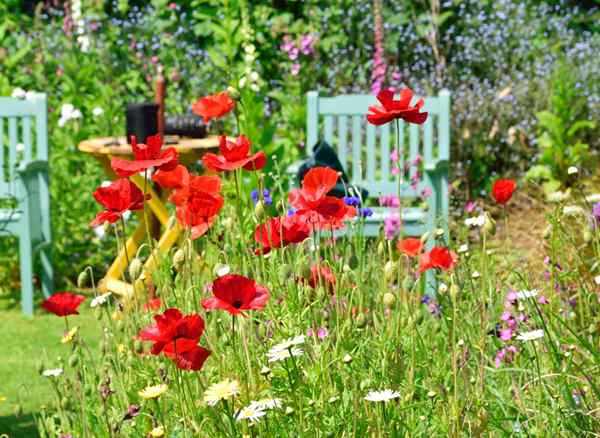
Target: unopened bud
{"x": 178, "y": 258}
{"x": 389, "y": 270}
{"x": 489, "y": 226}
{"x": 389, "y": 299}
{"x": 233, "y": 93}
{"x": 83, "y": 278}
{"x": 380, "y": 248}
{"x": 259, "y": 208}
{"x": 135, "y": 268}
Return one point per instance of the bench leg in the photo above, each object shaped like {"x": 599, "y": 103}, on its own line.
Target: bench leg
{"x": 26, "y": 262}
{"x": 47, "y": 273}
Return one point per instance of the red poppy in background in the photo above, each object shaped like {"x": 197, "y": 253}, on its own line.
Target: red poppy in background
{"x": 170, "y": 326}
{"x": 63, "y": 303}
{"x": 236, "y": 293}
{"x": 118, "y": 197}
{"x": 503, "y": 190}
{"x": 439, "y": 257}
{"x": 213, "y": 107}
{"x": 324, "y": 275}
{"x": 235, "y": 155}
{"x": 153, "y": 304}
{"x": 411, "y": 246}
{"x": 194, "y": 185}
{"x": 279, "y": 232}
{"x": 318, "y": 210}
{"x": 391, "y": 109}
{"x": 145, "y": 156}
{"x": 186, "y": 354}
{"x": 199, "y": 212}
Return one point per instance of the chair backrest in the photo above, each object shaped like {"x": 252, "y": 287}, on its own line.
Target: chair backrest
{"x": 23, "y": 137}
{"x": 365, "y": 150}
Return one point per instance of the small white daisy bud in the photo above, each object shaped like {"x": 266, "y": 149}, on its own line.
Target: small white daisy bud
{"x": 311, "y": 402}
{"x": 463, "y": 248}
{"x": 265, "y": 371}
{"x": 597, "y": 280}
{"x": 443, "y": 288}
{"x": 346, "y": 268}
{"x": 289, "y": 410}
{"x": 221, "y": 269}
{"x": 332, "y": 399}
{"x": 431, "y": 394}
{"x": 460, "y": 342}
{"x": 572, "y": 170}
{"x": 439, "y": 232}
{"x": 475, "y": 275}
{"x": 347, "y": 358}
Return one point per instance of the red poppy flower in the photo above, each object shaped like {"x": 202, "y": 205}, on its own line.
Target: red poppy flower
{"x": 235, "y": 155}
{"x": 153, "y": 304}
{"x": 235, "y": 293}
{"x": 279, "y": 232}
{"x": 199, "y": 212}
{"x": 439, "y": 257}
{"x": 118, "y": 197}
{"x": 63, "y": 303}
{"x": 186, "y": 354}
{"x": 146, "y": 156}
{"x": 213, "y": 107}
{"x": 410, "y": 246}
{"x": 170, "y": 326}
{"x": 193, "y": 185}
{"x": 318, "y": 210}
{"x": 324, "y": 275}
{"x": 503, "y": 190}
{"x": 396, "y": 109}
{"x": 175, "y": 178}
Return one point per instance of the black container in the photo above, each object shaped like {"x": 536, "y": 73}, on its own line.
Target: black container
{"x": 188, "y": 125}
{"x": 141, "y": 121}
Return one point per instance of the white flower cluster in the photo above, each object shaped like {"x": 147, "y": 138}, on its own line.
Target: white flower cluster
{"x": 257, "y": 409}
{"x": 286, "y": 349}
{"x": 382, "y": 396}
{"x": 19, "y": 93}
{"x": 477, "y": 221}
{"x": 82, "y": 39}
{"x": 68, "y": 112}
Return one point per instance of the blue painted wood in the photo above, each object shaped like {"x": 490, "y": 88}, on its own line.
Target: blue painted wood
{"x": 431, "y": 145}
{"x": 24, "y": 179}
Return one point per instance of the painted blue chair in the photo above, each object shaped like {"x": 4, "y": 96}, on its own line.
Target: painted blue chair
{"x": 365, "y": 152}
{"x": 24, "y": 194}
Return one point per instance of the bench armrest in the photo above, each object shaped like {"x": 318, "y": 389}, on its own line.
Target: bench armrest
{"x": 32, "y": 167}
{"x": 438, "y": 166}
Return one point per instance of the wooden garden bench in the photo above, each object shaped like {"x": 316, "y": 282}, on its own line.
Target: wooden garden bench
{"x": 24, "y": 184}
{"x": 365, "y": 150}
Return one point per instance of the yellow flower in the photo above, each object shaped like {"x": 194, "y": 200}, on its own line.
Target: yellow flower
{"x": 2, "y": 399}
{"x": 68, "y": 337}
{"x": 121, "y": 348}
{"x": 157, "y": 432}
{"x": 150, "y": 392}
{"x": 221, "y": 391}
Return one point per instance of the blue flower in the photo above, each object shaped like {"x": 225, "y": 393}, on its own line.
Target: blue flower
{"x": 365, "y": 212}
{"x": 291, "y": 211}
{"x": 266, "y": 196}
{"x": 352, "y": 200}
{"x": 425, "y": 299}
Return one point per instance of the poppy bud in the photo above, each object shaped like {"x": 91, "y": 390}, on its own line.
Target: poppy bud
{"x": 388, "y": 299}
{"x": 64, "y": 403}
{"x": 353, "y": 261}
{"x": 407, "y": 283}
{"x": 135, "y": 268}
{"x": 346, "y": 268}
{"x": 380, "y": 249}
{"x": 233, "y": 93}
{"x": 587, "y": 236}
{"x": 489, "y": 225}
{"x": 83, "y": 278}
{"x": 453, "y": 290}
{"x": 73, "y": 360}
{"x": 388, "y": 270}
{"x": 361, "y": 320}
{"x": 178, "y": 258}
{"x": 259, "y": 208}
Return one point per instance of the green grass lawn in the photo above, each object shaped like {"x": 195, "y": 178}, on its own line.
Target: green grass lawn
{"x": 26, "y": 343}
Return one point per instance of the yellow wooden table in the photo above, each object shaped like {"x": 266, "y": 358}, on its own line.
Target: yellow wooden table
{"x": 103, "y": 149}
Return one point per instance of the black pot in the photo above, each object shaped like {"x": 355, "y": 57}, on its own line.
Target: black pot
{"x": 141, "y": 121}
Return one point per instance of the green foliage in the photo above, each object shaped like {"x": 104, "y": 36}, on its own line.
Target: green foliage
{"x": 562, "y": 134}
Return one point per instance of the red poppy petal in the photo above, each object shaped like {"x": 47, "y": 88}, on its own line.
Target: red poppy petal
{"x": 256, "y": 162}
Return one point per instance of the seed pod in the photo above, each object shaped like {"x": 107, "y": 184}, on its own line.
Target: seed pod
{"x": 380, "y": 249}
{"x": 407, "y": 283}
{"x": 453, "y": 290}
{"x": 135, "y": 268}
{"x": 587, "y": 236}
{"x": 83, "y": 279}
{"x": 388, "y": 270}
{"x": 389, "y": 299}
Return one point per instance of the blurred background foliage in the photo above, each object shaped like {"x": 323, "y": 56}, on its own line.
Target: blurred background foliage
{"x": 524, "y": 76}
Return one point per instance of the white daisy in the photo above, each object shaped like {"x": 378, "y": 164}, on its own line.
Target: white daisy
{"x": 221, "y": 391}
{"x": 266, "y": 403}
{"x": 597, "y": 279}
{"x": 55, "y": 372}
{"x": 524, "y": 294}
{"x": 288, "y": 343}
{"x": 251, "y": 412}
{"x": 477, "y": 221}
{"x": 18, "y": 93}
{"x": 277, "y": 355}
{"x": 382, "y": 396}
{"x": 97, "y": 111}
{"x": 100, "y": 299}
{"x": 463, "y": 248}
{"x": 531, "y": 336}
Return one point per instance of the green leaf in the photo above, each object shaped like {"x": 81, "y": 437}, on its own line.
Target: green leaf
{"x": 581, "y": 124}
